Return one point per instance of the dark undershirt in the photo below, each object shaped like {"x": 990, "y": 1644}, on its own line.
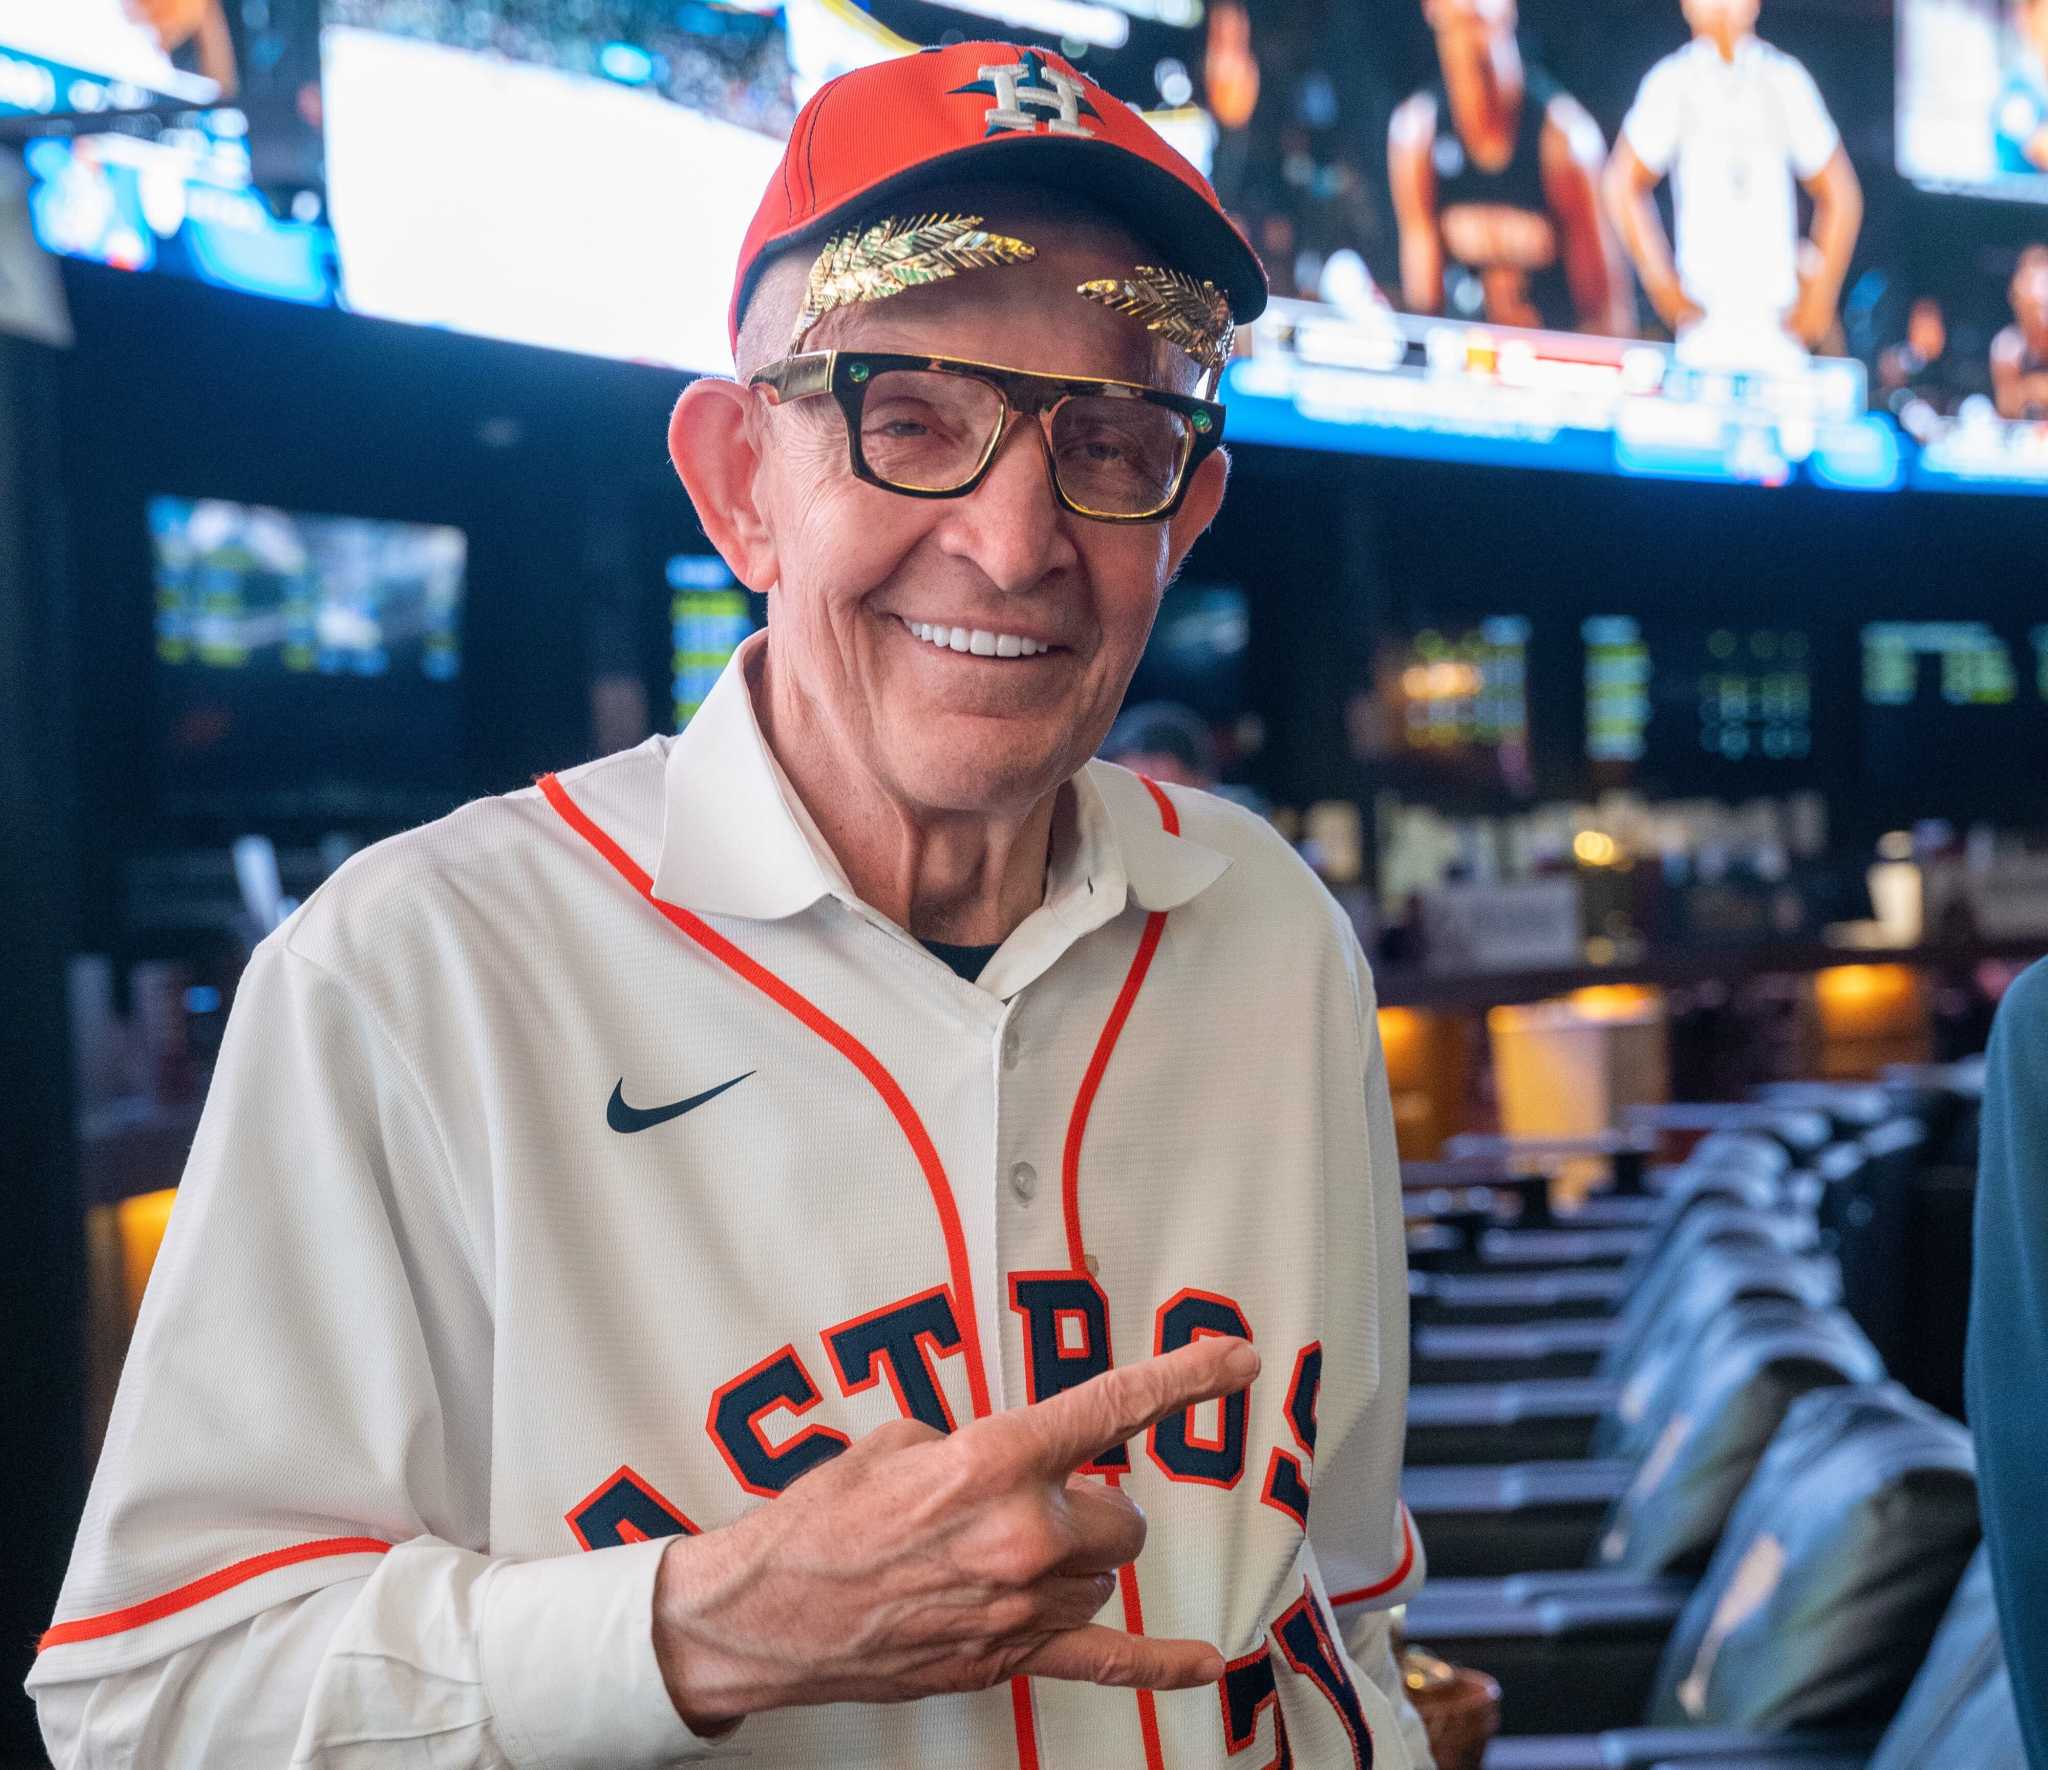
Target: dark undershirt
{"x": 968, "y": 962}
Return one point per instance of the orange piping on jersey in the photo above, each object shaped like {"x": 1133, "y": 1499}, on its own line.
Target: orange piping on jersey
{"x": 1077, "y": 1125}
{"x": 1077, "y": 1251}
{"x": 841, "y": 1041}
{"x": 114, "y": 1622}
{"x": 1026, "y": 1724}
{"x": 893, "y": 1097}
{"x": 1393, "y": 1579}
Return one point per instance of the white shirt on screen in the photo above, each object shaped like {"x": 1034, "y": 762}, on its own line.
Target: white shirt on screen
{"x": 1734, "y": 136}
{"x": 457, "y": 1320}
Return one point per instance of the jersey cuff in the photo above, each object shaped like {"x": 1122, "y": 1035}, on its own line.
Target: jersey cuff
{"x": 567, "y": 1651}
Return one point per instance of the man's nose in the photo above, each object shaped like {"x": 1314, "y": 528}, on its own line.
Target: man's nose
{"x": 1011, "y": 526}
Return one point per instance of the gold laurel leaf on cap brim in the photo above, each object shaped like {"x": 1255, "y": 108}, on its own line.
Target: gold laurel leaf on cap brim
{"x": 1186, "y": 311}
{"x": 894, "y": 254}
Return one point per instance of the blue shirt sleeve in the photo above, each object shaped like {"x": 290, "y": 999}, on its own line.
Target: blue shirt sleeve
{"x": 2008, "y": 1345}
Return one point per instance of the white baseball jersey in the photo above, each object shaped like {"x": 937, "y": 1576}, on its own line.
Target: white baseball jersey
{"x": 1733, "y": 136}
{"x": 582, "y": 1168}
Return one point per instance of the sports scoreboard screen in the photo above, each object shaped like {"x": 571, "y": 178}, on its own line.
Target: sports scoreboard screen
{"x": 1955, "y": 716}
{"x": 1465, "y": 688}
{"x": 1681, "y": 700}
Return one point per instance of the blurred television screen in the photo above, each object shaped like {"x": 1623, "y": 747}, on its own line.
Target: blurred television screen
{"x": 221, "y": 180}
{"x": 1537, "y": 234}
{"x": 573, "y": 177}
{"x": 1954, "y": 716}
{"x": 306, "y": 666}
{"x": 92, "y": 58}
{"x": 1973, "y": 96}
{"x": 710, "y": 614}
{"x": 1688, "y": 706}
{"x": 1447, "y": 709}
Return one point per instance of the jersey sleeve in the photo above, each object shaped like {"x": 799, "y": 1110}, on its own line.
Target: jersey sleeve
{"x": 2008, "y": 1342}
{"x": 1360, "y": 1532}
{"x": 284, "y": 1556}
{"x": 1810, "y": 132}
{"x": 1651, "y": 126}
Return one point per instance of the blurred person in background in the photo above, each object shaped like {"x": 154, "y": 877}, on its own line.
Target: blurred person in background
{"x": 1734, "y": 122}
{"x": 1495, "y": 172}
{"x": 1164, "y": 742}
{"x": 1923, "y": 379}
{"x": 2008, "y": 1345}
{"x": 2019, "y": 354}
{"x": 2019, "y": 115}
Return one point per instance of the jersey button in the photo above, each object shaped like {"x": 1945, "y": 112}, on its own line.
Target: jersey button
{"x": 1013, "y": 1048}
{"x": 1024, "y": 1181}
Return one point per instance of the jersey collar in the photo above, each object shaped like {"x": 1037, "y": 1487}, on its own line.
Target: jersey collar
{"x": 737, "y": 841}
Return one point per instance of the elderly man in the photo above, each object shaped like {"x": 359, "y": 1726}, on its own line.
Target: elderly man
{"x": 862, "y": 1101}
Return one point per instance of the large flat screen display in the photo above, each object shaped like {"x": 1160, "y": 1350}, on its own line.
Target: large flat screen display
{"x": 306, "y": 666}
{"x": 576, "y": 177}
{"x": 1652, "y": 240}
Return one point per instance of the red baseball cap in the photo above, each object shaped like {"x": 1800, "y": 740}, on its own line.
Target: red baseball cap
{"x": 990, "y": 111}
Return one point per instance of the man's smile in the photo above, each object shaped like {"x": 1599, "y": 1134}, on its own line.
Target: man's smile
{"x": 979, "y": 642}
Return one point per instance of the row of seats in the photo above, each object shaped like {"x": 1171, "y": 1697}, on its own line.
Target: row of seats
{"x": 1672, "y": 1500}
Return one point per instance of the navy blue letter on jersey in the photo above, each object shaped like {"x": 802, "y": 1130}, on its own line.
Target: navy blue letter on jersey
{"x": 1172, "y": 1443}
{"x": 625, "y": 1509}
{"x": 1066, "y": 1341}
{"x": 1286, "y": 1484}
{"x": 904, "y": 1338}
{"x": 1247, "y": 1687}
{"x": 1305, "y": 1640}
{"x": 734, "y": 1422}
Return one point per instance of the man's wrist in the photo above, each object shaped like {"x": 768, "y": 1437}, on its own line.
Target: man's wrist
{"x": 679, "y": 1589}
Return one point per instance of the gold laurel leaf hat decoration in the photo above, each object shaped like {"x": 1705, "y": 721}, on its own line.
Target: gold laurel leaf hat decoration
{"x": 1189, "y": 312}
{"x": 893, "y": 254}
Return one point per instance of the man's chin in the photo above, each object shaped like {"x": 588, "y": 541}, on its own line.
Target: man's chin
{"x": 988, "y": 780}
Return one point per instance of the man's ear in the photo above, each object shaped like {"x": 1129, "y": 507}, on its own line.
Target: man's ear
{"x": 717, "y": 456}
{"x": 1198, "y": 509}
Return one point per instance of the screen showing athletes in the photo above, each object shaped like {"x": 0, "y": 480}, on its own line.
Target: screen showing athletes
{"x": 1672, "y": 172}
{"x": 573, "y": 177}
{"x": 1973, "y": 96}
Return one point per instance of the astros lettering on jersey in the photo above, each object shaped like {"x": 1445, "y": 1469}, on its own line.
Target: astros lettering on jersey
{"x": 584, "y": 1167}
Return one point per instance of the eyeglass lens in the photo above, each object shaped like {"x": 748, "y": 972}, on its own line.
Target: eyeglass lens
{"x": 928, "y": 431}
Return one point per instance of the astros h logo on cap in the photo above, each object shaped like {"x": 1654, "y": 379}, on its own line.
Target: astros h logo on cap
{"x": 872, "y": 139}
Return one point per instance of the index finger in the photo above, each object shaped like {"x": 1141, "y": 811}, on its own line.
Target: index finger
{"x": 1066, "y": 1430}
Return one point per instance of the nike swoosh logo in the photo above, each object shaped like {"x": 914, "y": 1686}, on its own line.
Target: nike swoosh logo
{"x": 622, "y": 1117}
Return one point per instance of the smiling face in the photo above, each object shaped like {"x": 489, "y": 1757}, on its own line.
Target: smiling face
{"x": 1052, "y": 609}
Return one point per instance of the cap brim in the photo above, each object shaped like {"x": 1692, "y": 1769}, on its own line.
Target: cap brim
{"x": 1190, "y": 234}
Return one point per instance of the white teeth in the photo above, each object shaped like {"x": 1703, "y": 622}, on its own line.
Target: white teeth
{"x": 976, "y": 641}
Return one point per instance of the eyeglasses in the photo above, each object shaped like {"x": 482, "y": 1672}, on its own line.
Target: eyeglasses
{"x": 930, "y": 426}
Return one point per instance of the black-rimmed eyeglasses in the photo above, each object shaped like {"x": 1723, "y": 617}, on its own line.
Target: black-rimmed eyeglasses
{"x": 930, "y": 426}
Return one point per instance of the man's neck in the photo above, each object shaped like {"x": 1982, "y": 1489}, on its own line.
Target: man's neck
{"x": 964, "y": 878}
